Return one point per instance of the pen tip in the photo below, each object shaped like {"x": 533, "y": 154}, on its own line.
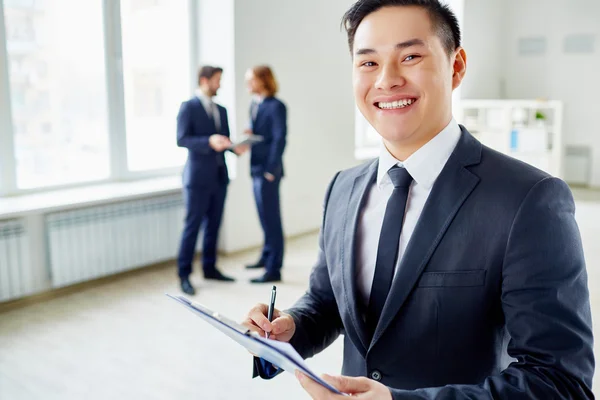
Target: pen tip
{"x": 274, "y": 287}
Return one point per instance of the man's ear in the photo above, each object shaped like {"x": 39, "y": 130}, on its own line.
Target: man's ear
{"x": 459, "y": 67}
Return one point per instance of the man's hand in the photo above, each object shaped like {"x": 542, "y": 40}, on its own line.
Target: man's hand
{"x": 269, "y": 177}
{"x": 282, "y": 327}
{"x": 239, "y": 150}
{"x": 248, "y": 131}
{"x": 360, "y": 388}
{"x": 218, "y": 142}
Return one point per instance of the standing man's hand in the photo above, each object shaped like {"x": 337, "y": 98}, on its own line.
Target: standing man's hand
{"x": 360, "y": 388}
{"x": 218, "y": 142}
{"x": 248, "y": 131}
{"x": 239, "y": 150}
{"x": 282, "y": 327}
{"x": 269, "y": 177}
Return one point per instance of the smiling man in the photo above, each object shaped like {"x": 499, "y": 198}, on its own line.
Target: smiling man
{"x": 453, "y": 271}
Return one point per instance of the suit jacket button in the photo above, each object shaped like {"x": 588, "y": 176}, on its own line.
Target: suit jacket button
{"x": 376, "y": 375}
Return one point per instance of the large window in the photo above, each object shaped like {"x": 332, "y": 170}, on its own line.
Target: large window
{"x": 57, "y": 83}
{"x": 90, "y": 90}
{"x": 156, "y": 72}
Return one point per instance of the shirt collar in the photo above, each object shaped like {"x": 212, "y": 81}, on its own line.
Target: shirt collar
{"x": 203, "y": 98}
{"x": 425, "y": 164}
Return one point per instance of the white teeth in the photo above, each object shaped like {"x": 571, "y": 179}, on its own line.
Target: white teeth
{"x": 395, "y": 104}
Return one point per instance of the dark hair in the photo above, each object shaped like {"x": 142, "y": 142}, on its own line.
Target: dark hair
{"x": 443, "y": 19}
{"x": 266, "y": 76}
{"x": 208, "y": 72}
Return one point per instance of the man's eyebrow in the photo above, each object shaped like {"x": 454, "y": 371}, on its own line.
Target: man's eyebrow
{"x": 410, "y": 43}
{"x": 399, "y": 46}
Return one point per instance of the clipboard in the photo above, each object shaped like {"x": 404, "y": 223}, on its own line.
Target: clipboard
{"x": 249, "y": 140}
{"x": 277, "y": 353}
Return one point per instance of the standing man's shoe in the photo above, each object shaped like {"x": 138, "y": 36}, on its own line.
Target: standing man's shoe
{"x": 187, "y": 287}
{"x": 258, "y": 264}
{"x": 216, "y": 275}
{"x": 267, "y": 278}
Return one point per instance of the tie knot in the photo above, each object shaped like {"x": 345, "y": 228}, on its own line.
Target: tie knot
{"x": 400, "y": 177}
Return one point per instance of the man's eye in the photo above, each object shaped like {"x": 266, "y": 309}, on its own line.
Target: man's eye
{"x": 410, "y": 58}
{"x": 368, "y": 64}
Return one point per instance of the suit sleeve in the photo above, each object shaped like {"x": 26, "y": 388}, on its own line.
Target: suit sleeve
{"x": 279, "y": 138}
{"x": 318, "y": 322}
{"x": 546, "y": 305}
{"x": 185, "y": 136}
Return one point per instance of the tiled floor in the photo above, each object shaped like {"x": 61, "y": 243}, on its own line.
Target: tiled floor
{"x": 126, "y": 340}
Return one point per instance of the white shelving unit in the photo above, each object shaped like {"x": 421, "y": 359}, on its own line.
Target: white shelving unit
{"x": 511, "y": 127}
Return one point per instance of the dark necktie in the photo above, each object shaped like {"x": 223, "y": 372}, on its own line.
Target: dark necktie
{"x": 389, "y": 240}
{"x": 214, "y": 114}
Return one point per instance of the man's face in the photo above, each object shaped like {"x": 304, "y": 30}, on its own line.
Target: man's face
{"x": 252, "y": 82}
{"x": 213, "y": 84}
{"x": 403, "y": 77}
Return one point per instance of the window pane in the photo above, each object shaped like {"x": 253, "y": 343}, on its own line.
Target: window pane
{"x": 58, "y": 91}
{"x": 156, "y": 69}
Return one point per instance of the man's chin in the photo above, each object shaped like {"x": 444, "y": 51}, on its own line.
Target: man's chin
{"x": 395, "y": 136}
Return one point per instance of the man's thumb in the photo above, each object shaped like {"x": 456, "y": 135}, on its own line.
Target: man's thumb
{"x": 348, "y": 384}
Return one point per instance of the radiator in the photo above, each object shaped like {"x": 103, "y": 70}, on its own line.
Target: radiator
{"x": 15, "y": 264}
{"x": 89, "y": 243}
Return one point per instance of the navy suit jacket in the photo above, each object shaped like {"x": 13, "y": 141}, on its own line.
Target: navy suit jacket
{"x": 204, "y": 167}
{"x": 490, "y": 300}
{"x": 271, "y": 124}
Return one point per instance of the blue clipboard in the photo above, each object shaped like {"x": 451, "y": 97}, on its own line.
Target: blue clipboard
{"x": 277, "y": 353}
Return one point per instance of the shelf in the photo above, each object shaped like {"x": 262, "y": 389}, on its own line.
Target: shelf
{"x": 493, "y": 122}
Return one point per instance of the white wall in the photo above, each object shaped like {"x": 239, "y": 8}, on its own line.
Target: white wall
{"x": 216, "y": 37}
{"x": 574, "y": 79}
{"x": 484, "y": 43}
{"x": 308, "y": 52}
{"x": 492, "y": 29}
{"x": 309, "y": 55}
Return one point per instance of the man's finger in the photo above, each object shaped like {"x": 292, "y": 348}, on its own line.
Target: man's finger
{"x": 315, "y": 390}
{"x": 257, "y": 314}
{"x": 348, "y": 384}
{"x": 248, "y": 323}
{"x": 282, "y": 324}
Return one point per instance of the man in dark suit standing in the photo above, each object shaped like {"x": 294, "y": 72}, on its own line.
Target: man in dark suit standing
{"x": 453, "y": 271}
{"x": 268, "y": 116}
{"x": 203, "y": 129}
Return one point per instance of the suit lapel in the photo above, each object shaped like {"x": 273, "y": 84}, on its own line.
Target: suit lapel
{"x": 452, "y": 187}
{"x": 360, "y": 189}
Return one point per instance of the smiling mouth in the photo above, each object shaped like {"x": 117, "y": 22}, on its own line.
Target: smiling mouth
{"x": 395, "y": 105}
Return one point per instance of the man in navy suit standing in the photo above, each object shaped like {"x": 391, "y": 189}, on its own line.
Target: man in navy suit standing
{"x": 203, "y": 129}
{"x": 451, "y": 270}
{"x": 268, "y": 116}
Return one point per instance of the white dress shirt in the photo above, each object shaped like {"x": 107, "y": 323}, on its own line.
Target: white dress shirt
{"x": 211, "y": 108}
{"x": 424, "y": 166}
{"x": 256, "y": 102}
